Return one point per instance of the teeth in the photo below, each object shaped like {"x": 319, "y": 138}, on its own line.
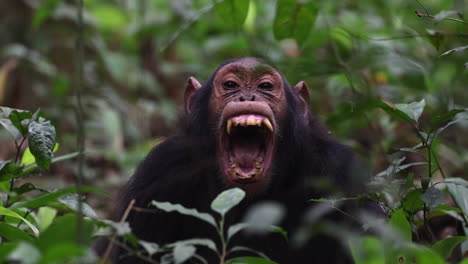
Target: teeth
{"x": 251, "y": 121}
{"x": 248, "y": 121}
{"x": 229, "y": 125}
{"x": 267, "y": 123}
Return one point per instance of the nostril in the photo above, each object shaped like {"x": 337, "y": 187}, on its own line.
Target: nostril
{"x": 241, "y": 98}
{"x": 253, "y": 98}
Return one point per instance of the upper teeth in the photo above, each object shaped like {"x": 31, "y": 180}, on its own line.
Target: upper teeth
{"x": 248, "y": 120}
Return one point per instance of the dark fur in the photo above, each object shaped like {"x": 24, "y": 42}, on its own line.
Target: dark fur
{"x": 184, "y": 169}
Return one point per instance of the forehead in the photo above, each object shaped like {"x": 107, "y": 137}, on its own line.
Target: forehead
{"x": 247, "y": 66}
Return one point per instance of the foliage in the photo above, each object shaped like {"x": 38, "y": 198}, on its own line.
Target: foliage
{"x": 390, "y": 77}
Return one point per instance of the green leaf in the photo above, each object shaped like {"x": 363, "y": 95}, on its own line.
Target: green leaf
{"x": 169, "y": 207}
{"x": 182, "y": 253}
{"x": 8, "y": 212}
{"x": 413, "y": 110}
{"x": 294, "y": 19}
{"x": 63, "y": 230}
{"x": 44, "y": 199}
{"x": 43, "y": 12}
{"x": 71, "y": 201}
{"x": 445, "y": 247}
{"x": 432, "y": 197}
{"x": 400, "y": 223}
{"x": 413, "y": 202}
{"x": 233, "y": 12}
{"x": 62, "y": 252}
{"x": 439, "y": 119}
{"x": 227, "y": 200}
{"x": 20, "y": 119}
{"x": 396, "y": 113}
{"x": 46, "y": 216}
{"x": 367, "y": 250}
{"x": 249, "y": 260}
{"x": 12, "y": 233}
{"x": 42, "y": 142}
{"x": 9, "y": 170}
{"x": 443, "y": 209}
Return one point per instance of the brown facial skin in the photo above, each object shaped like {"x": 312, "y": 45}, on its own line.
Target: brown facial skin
{"x": 248, "y": 101}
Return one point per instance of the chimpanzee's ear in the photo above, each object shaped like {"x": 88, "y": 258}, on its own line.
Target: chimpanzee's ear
{"x": 192, "y": 86}
{"x": 303, "y": 91}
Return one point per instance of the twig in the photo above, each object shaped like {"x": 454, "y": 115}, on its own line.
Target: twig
{"x": 138, "y": 254}
{"x": 114, "y": 236}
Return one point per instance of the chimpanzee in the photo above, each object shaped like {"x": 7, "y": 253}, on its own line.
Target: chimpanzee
{"x": 245, "y": 127}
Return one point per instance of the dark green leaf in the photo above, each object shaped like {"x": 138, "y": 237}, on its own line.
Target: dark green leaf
{"x": 8, "y": 170}
{"x": 442, "y": 209}
{"x": 439, "y": 119}
{"x": 413, "y": 202}
{"x": 61, "y": 252}
{"x": 294, "y": 19}
{"x": 21, "y": 120}
{"x": 446, "y": 246}
{"x": 400, "y": 223}
{"x": 42, "y": 142}
{"x": 63, "y": 230}
{"x": 249, "y": 260}
{"x": 226, "y": 200}
{"x": 12, "y": 233}
{"x": 233, "y": 12}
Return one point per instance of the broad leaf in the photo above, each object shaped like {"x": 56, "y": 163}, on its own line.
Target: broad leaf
{"x": 25, "y": 253}
{"x": 169, "y": 207}
{"x": 400, "y": 223}
{"x": 413, "y": 202}
{"x": 182, "y": 253}
{"x": 226, "y": 200}
{"x": 13, "y": 233}
{"x": 8, "y": 212}
{"x": 8, "y": 170}
{"x": 46, "y": 216}
{"x": 294, "y": 19}
{"x": 432, "y": 197}
{"x": 42, "y": 142}
{"x": 446, "y": 246}
{"x": 233, "y": 12}
{"x": 413, "y": 110}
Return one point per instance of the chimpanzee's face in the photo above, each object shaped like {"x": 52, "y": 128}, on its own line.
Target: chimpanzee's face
{"x": 248, "y": 101}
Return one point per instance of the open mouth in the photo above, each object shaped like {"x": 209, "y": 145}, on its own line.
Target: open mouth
{"x": 247, "y": 142}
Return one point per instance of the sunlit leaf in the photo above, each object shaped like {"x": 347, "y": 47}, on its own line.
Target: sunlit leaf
{"x": 46, "y": 216}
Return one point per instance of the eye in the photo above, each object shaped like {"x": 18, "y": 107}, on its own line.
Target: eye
{"x": 265, "y": 85}
{"x": 230, "y": 85}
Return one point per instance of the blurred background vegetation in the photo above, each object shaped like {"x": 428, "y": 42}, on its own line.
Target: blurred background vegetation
{"x": 139, "y": 54}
